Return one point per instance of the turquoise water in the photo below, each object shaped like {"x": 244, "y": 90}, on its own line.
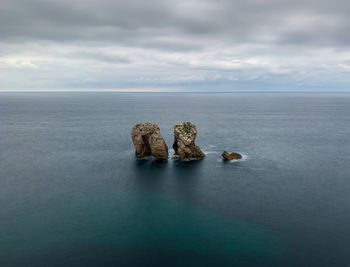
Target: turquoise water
{"x": 73, "y": 194}
{"x": 76, "y": 225}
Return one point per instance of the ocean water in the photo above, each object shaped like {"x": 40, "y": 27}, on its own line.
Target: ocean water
{"x": 72, "y": 192}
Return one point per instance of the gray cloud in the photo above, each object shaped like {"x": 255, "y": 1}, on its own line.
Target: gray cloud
{"x": 173, "y": 42}
{"x": 130, "y": 22}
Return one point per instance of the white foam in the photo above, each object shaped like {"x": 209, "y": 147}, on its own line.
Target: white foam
{"x": 211, "y": 152}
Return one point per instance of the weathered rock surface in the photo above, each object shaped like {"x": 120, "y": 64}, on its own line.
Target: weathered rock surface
{"x": 230, "y": 156}
{"x": 148, "y": 141}
{"x": 184, "y": 136}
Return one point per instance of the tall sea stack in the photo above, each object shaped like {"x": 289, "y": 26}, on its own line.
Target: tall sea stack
{"x": 148, "y": 141}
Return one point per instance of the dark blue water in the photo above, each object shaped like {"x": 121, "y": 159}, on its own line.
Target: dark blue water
{"x": 73, "y": 194}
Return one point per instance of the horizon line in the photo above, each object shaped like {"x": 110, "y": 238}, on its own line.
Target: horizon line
{"x": 162, "y": 90}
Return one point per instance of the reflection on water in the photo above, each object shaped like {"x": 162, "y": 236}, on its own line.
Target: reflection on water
{"x": 149, "y": 174}
{"x": 159, "y": 176}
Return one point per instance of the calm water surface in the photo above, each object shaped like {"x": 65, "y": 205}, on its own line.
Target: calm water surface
{"x": 73, "y": 194}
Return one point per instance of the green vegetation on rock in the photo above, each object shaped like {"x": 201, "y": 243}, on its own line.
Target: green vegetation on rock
{"x": 187, "y": 128}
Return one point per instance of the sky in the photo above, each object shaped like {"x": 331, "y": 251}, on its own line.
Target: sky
{"x": 178, "y": 45}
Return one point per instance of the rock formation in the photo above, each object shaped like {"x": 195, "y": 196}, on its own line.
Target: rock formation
{"x": 184, "y": 135}
{"x": 230, "y": 156}
{"x": 148, "y": 141}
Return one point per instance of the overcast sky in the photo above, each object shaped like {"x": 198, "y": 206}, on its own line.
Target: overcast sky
{"x": 215, "y": 45}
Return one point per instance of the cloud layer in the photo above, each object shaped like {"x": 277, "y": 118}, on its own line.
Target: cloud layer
{"x": 184, "y": 44}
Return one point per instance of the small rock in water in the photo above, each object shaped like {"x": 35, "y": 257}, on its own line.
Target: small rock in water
{"x": 174, "y": 157}
{"x": 230, "y": 156}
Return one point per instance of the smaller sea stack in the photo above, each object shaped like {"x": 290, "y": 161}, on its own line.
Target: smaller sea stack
{"x": 184, "y": 136}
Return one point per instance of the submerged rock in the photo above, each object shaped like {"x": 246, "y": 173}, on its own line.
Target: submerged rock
{"x": 184, "y": 136}
{"x": 148, "y": 141}
{"x": 230, "y": 156}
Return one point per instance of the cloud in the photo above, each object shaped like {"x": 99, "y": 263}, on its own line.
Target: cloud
{"x": 19, "y": 63}
{"x": 195, "y": 44}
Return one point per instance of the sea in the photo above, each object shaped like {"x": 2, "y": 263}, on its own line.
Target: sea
{"x": 72, "y": 192}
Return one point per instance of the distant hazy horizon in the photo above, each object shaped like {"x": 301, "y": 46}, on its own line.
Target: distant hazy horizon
{"x": 142, "y": 90}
